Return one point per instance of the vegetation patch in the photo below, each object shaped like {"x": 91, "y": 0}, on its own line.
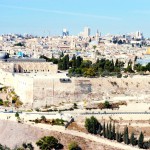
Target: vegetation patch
{"x": 43, "y": 119}
{"x": 108, "y": 131}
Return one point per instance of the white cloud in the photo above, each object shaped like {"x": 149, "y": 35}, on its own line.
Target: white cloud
{"x": 63, "y": 12}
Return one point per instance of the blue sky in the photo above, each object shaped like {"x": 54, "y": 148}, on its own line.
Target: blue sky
{"x": 51, "y": 16}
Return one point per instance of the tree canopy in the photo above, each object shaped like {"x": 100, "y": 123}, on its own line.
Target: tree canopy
{"x": 92, "y": 125}
{"x": 48, "y": 143}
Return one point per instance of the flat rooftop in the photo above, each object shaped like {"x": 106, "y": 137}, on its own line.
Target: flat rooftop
{"x": 25, "y": 60}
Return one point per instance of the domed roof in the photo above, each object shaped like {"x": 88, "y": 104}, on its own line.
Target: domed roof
{"x": 148, "y": 51}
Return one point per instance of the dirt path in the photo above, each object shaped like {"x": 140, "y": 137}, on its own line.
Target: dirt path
{"x": 87, "y": 136}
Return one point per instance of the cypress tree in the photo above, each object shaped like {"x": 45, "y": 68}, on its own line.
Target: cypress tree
{"x": 107, "y": 132}
{"x": 113, "y": 133}
{"x": 112, "y": 66}
{"x": 132, "y": 139}
{"x": 62, "y": 54}
{"x": 119, "y": 137}
{"x": 126, "y": 135}
{"x": 116, "y": 63}
{"x": 141, "y": 140}
{"x": 79, "y": 61}
{"x": 104, "y": 130}
{"x": 74, "y": 61}
{"x": 110, "y": 131}
{"x": 107, "y": 65}
{"x": 65, "y": 63}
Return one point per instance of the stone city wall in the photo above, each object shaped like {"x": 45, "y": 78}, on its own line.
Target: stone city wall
{"x": 41, "y": 91}
{"x": 55, "y": 92}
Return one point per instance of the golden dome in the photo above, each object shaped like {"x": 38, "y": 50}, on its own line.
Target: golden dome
{"x": 148, "y": 51}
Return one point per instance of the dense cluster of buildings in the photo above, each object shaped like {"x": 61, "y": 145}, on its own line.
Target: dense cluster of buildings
{"x": 39, "y": 83}
{"x": 124, "y": 47}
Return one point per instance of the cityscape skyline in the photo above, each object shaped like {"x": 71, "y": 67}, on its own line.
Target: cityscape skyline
{"x": 50, "y": 17}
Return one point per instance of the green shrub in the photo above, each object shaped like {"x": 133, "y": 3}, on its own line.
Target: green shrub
{"x": 37, "y": 109}
{"x": 107, "y": 104}
{"x": 1, "y": 102}
{"x": 49, "y": 143}
{"x": 36, "y": 120}
{"x": 43, "y": 118}
{"x": 119, "y": 75}
{"x": 58, "y": 122}
{"x": 28, "y": 146}
{"x": 17, "y": 114}
{"x": 73, "y": 146}
{"x": 75, "y": 106}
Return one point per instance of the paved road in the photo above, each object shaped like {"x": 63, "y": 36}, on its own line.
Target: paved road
{"x": 76, "y": 113}
{"x": 115, "y": 113}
